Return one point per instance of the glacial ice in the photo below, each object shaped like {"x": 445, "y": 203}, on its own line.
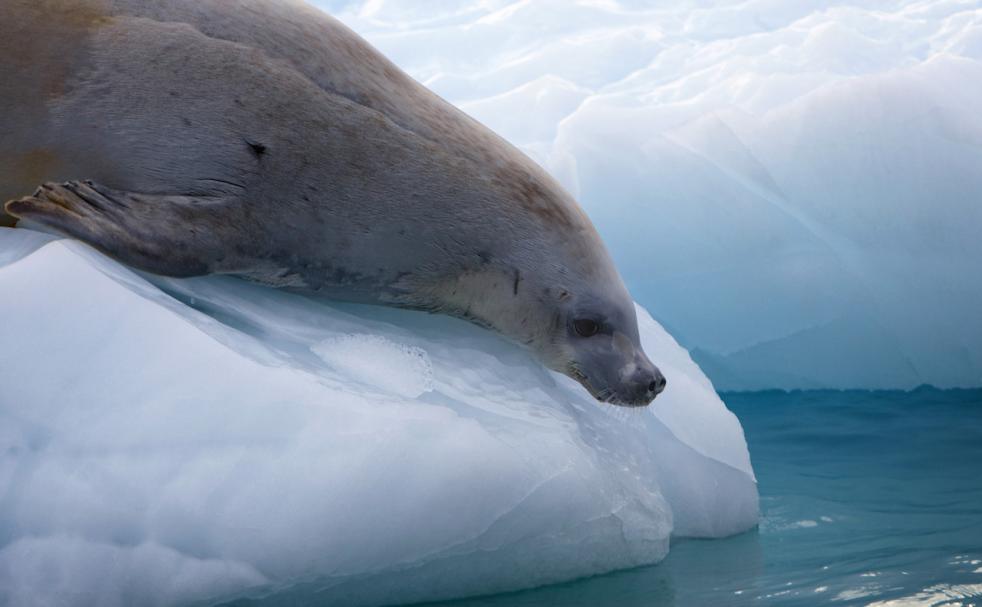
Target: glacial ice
{"x": 169, "y": 442}
{"x": 792, "y": 188}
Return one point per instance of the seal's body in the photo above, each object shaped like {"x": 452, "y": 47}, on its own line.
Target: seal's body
{"x": 264, "y": 139}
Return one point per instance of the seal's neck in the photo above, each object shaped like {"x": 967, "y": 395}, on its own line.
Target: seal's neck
{"x": 504, "y": 300}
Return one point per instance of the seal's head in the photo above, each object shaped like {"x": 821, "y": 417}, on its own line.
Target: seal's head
{"x": 549, "y": 284}
{"x": 596, "y": 342}
{"x": 573, "y": 313}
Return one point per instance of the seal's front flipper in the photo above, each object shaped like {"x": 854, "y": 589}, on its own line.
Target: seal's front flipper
{"x": 170, "y": 235}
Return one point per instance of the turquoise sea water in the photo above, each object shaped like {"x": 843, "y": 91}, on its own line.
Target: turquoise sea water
{"x": 866, "y": 498}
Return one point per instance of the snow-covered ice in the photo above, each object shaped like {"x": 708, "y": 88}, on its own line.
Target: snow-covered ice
{"x": 164, "y": 442}
{"x": 791, "y": 187}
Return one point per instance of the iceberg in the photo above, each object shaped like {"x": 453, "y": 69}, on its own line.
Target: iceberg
{"x": 791, "y": 187}
{"x": 169, "y": 442}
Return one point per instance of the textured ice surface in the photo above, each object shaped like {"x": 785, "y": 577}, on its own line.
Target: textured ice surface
{"x": 200, "y": 440}
{"x": 380, "y": 362}
{"x": 791, "y": 187}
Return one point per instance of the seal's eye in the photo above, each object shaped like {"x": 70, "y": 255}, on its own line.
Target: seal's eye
{"x": 586, "y": 327}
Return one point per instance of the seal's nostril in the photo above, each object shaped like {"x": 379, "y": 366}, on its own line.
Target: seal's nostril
{"x": 652, "y": 386}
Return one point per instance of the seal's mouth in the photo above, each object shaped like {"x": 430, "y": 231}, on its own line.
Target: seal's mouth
{"x": 605, "y": 395}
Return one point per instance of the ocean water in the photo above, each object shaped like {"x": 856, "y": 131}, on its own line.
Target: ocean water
{"x": 867, "y": 498}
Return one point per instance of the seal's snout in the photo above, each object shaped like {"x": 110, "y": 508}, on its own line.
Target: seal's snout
{"x": 657, "y": 385}
{"x": 643, "y": 385}
{"x": 612, "y": 380}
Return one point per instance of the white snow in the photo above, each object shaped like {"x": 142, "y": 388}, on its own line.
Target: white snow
{"x": 164, "y": 442}
{"x": 791, "y": 187}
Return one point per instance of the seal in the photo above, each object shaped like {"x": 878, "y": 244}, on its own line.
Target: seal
{"x": 264, "y": 139}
